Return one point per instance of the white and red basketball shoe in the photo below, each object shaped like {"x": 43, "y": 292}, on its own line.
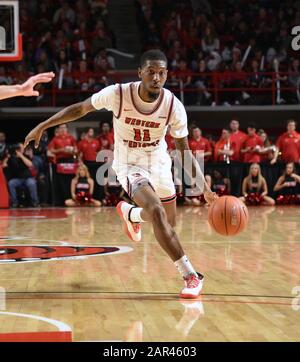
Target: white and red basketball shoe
{"x": 193, "y": 286}
{"x": 133, "y": 229}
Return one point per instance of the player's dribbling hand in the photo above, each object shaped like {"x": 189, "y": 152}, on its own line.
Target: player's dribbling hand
{"x": 34, "y": 135}
{"x": 210, "y": 197}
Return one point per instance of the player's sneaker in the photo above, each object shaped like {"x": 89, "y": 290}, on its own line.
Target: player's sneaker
{"x": 193, "y": 286}
{"x": 133, "y": 229}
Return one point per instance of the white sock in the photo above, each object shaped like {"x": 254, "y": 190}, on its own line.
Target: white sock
{"x": 184, "y": 266}
{"x": 135, "y": 214}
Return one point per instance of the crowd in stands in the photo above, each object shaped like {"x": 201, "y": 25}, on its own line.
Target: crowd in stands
{"x": 72, "y": 35}
{"x": 65, "y": 171}
{"x": 205, "y": 42}
{"x": 206, "y": 37}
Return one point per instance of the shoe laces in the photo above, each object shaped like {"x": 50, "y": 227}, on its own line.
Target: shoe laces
{"x": 192, "y": 281}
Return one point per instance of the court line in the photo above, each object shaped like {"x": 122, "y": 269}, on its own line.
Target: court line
{"x": 158, "y": 299}
{"x": 162, "y": 293}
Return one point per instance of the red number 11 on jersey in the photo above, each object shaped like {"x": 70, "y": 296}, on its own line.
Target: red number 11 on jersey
{"x": 138, "y": 137}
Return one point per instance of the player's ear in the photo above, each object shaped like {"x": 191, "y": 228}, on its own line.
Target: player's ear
{"x": 139, "y": 72}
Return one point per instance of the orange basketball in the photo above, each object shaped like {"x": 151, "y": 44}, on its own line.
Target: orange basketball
{"x": 228, "y": 215}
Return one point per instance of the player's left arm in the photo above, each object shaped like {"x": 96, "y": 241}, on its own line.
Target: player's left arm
{"x": 26, "y": 89}
{"x": 187, "y": 158}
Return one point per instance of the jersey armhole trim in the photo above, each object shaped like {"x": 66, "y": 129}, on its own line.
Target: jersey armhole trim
{"x": 170, "y": 110}
{"x": 121, "y": 102}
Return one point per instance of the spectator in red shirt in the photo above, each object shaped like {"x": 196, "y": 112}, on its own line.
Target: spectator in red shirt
{"x": 88, "y": 149}
{"x": 106, "y": 136}
{"x": 170, "y": 141}
{"x": 237, "y": 137}
{"x": 89, "y": 146}
{"x": 289, "y": 144}
{"x": 199, "y": 143}
{"x": 252, "y": 146}
{"x": 63, "y": 147}
{"x": 224, "y": 148}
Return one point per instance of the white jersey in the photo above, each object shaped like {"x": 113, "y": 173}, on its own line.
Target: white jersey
{"x": 138, "y": 125}
{"x": 139, "y": 129}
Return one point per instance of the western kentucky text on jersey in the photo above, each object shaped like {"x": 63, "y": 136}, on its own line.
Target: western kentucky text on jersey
{"x": 134, "y": 144}
{"x": 140, "y": 122}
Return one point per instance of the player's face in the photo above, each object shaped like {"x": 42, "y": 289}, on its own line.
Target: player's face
{"x": 153, "y": 75}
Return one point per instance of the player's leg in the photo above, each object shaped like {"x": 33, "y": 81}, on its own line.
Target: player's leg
{"x": 170, "y": 209}
{"x": 152, "y": 209}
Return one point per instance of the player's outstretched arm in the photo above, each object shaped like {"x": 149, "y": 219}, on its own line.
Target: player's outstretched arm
{"x": 187, "y": 158}
{"x": 68, "y": 114}
{"x": 26, "y": 89}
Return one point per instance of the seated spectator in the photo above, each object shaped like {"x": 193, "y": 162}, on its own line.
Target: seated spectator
{"x": 287, "y": 186}
{"x": 40, "y": 175}
{"x": 252, "y": 146}
{"x": 294, "y": 80}
{"x": 113, "y": 191}
{"x": 219, "y": 184}
{"x": 199, "y": 145}
{"x": 268, "y": 150}
{"x": 202, "y": 82}
{"x": 237, "y": 138}
{"x": 224, "y": 148}
{"x": 106, "y": 136}
{"x": 22, "y": 174}
{"x": 210, "y": 41}
{"x": 289, "y": 144}
{"x": 84, "y": 77}
{"x": 82, "y": 187}
{"x": 255, "y": 189}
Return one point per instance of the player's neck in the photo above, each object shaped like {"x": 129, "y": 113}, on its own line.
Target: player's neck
{"x": 145, "y": 96}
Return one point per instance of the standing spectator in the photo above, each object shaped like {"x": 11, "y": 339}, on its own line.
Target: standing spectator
{"x": 268, "y": 151}
{"x": 294, "y": 80}
{"x": 237, "y": 137}
{"x": 252, "y": 146}
{"x": 21, "y": 171}
{"x": 289, "y": 144}
{"x": 88, "y": 147}
{"x": 106, "y": 136}
{"x": 170, "y": 140}
{"x": 63, "y": 147}
{"x": 3, "y": 146}
{"x": 224, "y": 148}
{"x": 198, "y": 143}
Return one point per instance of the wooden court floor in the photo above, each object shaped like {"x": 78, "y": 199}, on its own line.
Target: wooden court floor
{"x": 74, "y": 275}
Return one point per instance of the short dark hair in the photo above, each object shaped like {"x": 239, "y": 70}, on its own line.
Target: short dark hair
{"x": 291, "y": 121}
{"x": 251, "y": 125}
{"x": 153, "y": 54}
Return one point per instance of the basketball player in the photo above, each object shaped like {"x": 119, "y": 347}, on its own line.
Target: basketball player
{"x": 26, "y": 89}
{"x": 142, "y": 112}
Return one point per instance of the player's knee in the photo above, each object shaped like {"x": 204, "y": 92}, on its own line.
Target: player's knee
{"x": 157, "y": 212}
{"x": 172, "y": 221}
